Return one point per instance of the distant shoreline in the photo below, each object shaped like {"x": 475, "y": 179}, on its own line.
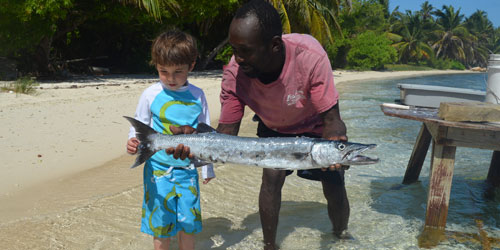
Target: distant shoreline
{"x": 340, "y": 76}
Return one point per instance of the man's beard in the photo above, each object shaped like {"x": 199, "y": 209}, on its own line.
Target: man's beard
{"x": 252, "y": 73}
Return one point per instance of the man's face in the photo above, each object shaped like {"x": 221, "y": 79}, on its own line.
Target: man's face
{"x": 250, "y": 51}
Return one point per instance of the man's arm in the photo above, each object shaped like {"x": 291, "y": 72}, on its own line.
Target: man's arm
{"x": 230, "y": 129}
{"x": 334, "y": 129}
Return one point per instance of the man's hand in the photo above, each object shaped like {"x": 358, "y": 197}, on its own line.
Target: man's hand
{"x": 180, "y": 151}
{"x": 337, "y": 166}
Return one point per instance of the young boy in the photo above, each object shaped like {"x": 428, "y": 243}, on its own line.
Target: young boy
{"x": 171, "y": 193}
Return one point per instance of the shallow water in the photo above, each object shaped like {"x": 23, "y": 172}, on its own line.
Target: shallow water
{"x": 105, "y": 213}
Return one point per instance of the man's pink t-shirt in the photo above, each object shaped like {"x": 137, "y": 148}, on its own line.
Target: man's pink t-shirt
{"x": 292, "y": 104}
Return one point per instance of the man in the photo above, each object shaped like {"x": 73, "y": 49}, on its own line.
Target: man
{"x": 288, "y": 82}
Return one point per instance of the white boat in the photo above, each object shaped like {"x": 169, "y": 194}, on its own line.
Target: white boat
{"x": 431, "y": 96}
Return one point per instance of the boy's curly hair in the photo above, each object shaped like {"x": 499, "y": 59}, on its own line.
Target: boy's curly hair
{"x": 173, "y": 47}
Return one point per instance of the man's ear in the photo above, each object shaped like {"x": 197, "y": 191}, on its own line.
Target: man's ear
{"x": 277, "y": 44}
{"x": 191, "y": 67}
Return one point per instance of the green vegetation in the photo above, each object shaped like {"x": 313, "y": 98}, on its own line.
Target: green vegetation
{"x": 54, "y": 38}
{"x": 23, "y": 85}
{"x": 370, "y": 51}
{"x": 406, "y": 67}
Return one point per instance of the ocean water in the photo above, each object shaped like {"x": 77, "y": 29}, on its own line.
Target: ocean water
{"x": 100, "y": 209}
{"x": 399, "y": 210}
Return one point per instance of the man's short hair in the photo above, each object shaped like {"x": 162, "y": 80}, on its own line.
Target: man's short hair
{"x": 173, "y": 47}
{"x": 267, "y": 16}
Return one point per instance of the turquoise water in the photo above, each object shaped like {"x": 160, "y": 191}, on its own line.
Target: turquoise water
{"x": 403, "y": 207}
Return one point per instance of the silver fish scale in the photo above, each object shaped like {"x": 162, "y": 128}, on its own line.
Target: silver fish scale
{"x": 280, "y": 153}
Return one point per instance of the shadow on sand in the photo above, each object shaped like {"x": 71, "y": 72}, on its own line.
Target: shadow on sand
{"x": 293, "y": 215}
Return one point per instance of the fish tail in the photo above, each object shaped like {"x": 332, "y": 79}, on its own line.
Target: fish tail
{"x": 142, "y": 131}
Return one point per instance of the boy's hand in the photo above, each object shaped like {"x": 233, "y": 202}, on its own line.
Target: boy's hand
{"x": 207, "y": 180}
{"x": 132, "y": 145}
{"x": 181, "y": 151}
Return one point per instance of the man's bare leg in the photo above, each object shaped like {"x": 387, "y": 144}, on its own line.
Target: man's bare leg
{"x": 269, "y": 204}
{"x": 338, "y": 205}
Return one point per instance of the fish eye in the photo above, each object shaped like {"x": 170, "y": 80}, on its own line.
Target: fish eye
{"x": 341, "y": 146}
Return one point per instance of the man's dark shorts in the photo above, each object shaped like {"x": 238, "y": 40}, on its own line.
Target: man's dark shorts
{"x": 336, "y": 177}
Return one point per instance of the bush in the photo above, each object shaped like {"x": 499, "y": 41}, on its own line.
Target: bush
{"x": 446, "y": 64}
{"x": 370, "y": 51}
{"x": 24, "y": 85}
{"x": 337, "y": 52}
{"x": 225, "y": 55}
{"x": 457, "y": 65}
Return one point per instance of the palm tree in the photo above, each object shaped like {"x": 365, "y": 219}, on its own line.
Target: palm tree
{"x": 451, "y": 35}
{"x": 426, "y": 10}
{"x": 482, "y": 31}
{"x": 316, "y": 17}
{"x": 410, "y": 37}
{"x": 495, "y": 47}
{"x": 154, "y": 7}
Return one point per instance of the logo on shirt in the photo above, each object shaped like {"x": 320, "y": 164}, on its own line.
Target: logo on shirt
{"x": 292, "y": 99}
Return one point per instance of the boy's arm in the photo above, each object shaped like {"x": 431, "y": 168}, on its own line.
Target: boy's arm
{"x": 143, "y": 114}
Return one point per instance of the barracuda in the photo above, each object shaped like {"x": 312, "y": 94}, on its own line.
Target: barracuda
{"x": 292, "y": 153}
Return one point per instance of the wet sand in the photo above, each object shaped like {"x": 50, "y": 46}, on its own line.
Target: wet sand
{"x": 65, "y": 181}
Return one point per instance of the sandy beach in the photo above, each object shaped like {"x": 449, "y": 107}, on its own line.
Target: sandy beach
{"x": 64, "y": 161}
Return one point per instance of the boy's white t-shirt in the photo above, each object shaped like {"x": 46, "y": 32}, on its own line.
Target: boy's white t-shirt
{"x": 159, "y": 107}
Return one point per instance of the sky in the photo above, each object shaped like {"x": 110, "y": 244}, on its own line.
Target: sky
{"x": 491, "y": 7}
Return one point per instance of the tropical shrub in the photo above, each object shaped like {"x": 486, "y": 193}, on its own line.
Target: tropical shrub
{"x": 456, "y": 65}
{"x": 445, "y": 64}
{"x": 225, "y": 55}
{"x": 23, "y": 85}
{"x": 337, "y": 52}
{"x": 370, "y": 51}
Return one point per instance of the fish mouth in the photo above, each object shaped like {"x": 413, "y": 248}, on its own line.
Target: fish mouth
{"x": 354, "y": 156}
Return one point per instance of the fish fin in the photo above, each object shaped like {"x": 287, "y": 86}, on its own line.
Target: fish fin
{"x": 205, "y": 128}
{"x": 142, "y": 132}
{"x": 199, "y": 163}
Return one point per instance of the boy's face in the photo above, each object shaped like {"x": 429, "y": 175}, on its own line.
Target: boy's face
{"x": 174, "y": 77}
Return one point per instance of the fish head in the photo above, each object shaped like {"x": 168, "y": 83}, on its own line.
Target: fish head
{"x": 326, "y": 153}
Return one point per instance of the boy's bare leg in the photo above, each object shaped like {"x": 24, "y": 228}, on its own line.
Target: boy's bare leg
{"x": 186, "y": 241}
{"x": 161, "y": 243}
{"x": 269, "y": 204}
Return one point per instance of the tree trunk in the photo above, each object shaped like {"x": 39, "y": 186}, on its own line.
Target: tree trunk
{"x": 42, "y": 56}
{"x": 212, "y": 54}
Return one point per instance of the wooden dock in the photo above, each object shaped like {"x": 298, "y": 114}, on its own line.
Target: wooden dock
{"x": 445, "y": 137}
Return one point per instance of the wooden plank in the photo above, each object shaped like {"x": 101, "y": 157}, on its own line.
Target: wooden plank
{"x": 473, "y": 138}
{"x": 439, "y": 133}
{"x": 441, "y": 176}
{"x": 469, "y": 111}
{"x": 442, "y": 165}
{"x": 430, "y": 115}
{"x": 494, "y": 171}
{"x": 417, "y": 156}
